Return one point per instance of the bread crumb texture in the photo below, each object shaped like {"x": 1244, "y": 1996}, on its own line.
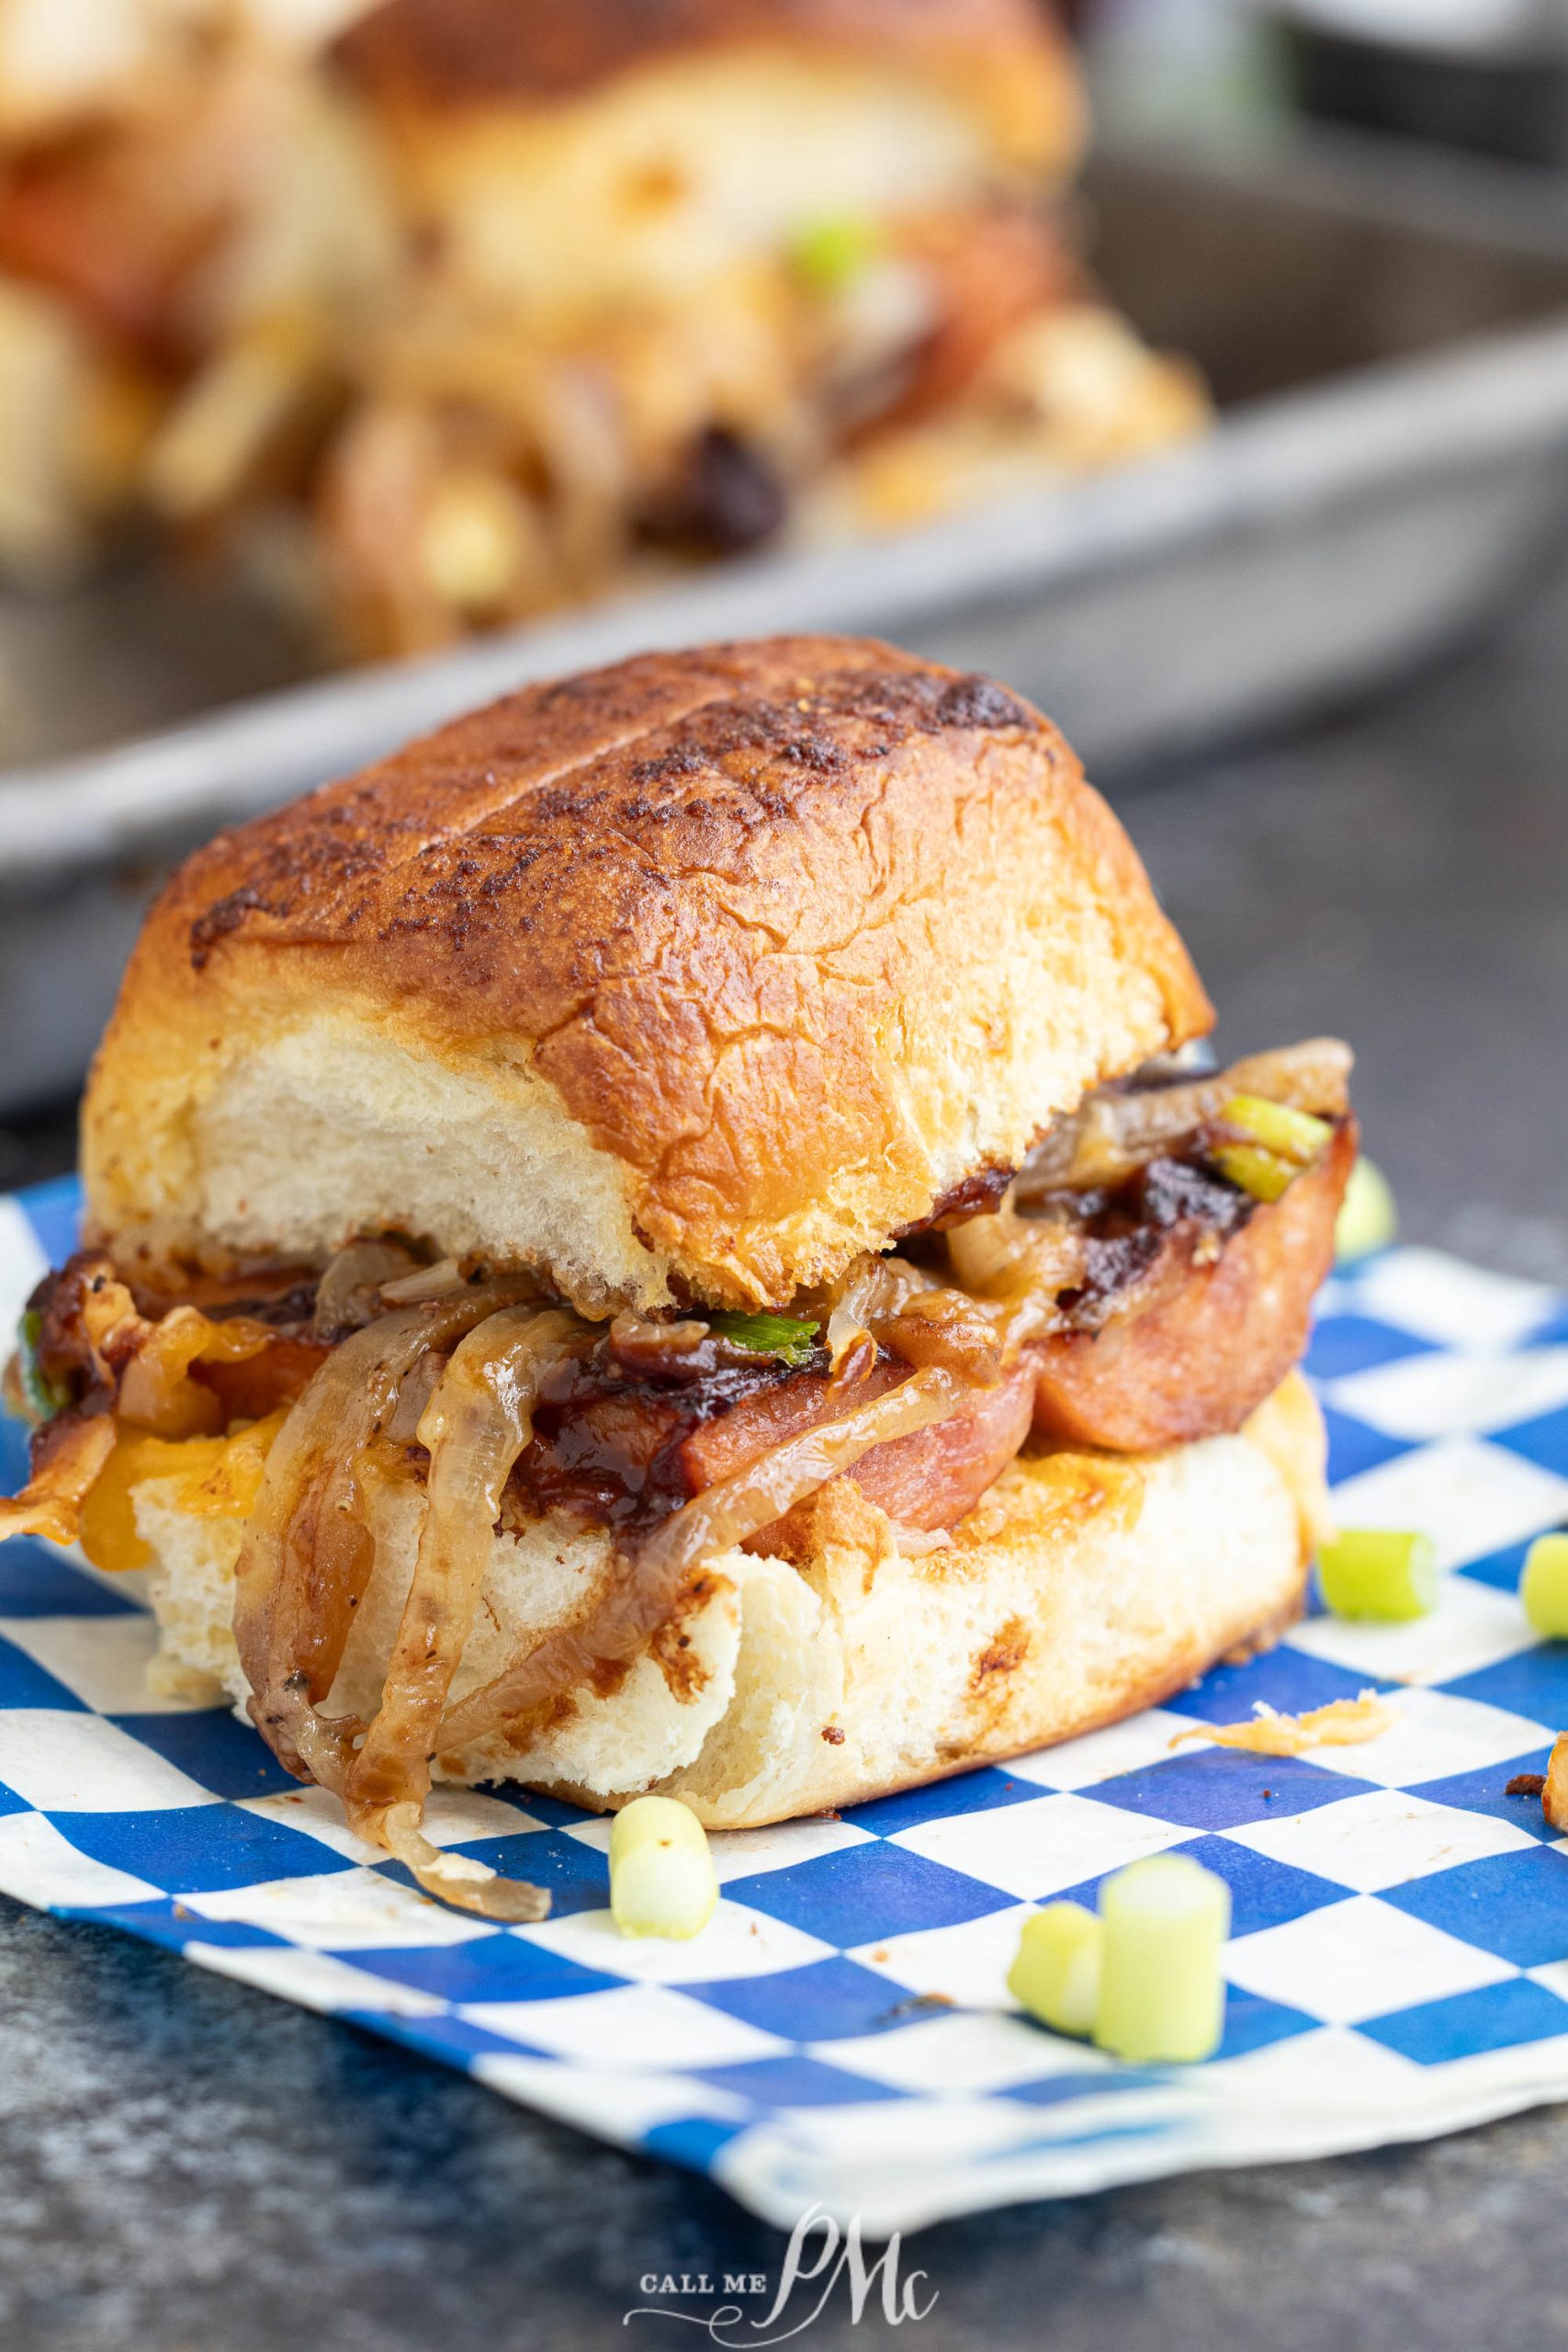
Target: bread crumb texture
{"x": 1082, "y": 1588}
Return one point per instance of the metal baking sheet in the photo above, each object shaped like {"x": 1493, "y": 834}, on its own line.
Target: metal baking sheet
{"x": 1390, "y": 347}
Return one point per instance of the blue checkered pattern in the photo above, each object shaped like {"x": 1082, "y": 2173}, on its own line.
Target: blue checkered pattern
{"x": 841, "y": 2031}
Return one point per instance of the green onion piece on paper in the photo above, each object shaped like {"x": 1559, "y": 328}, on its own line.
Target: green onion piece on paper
{"x": 1293, "y": 1135}
{"x": 789, "y": 1337}
{"x": 1367, "y": 1219}
{"x": 43, "y": 1398}
{"x": 1055, "y": 1975}
{"x": 1379, "y": 1572}
{"x": 1543, "y": 1588}
{"x": 662, "y": 1881}
{"x": 1162, "y": 1992}
{"x": 830, "y": 254}
{"x": 1262, "y": 1173}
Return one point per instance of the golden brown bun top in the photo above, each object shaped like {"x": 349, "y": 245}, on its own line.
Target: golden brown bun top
{"x": 1008, "y": 56}
{"x": 760, "y": 950}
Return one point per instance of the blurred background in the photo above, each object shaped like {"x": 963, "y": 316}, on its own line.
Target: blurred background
{"x": 1199, "y": 366}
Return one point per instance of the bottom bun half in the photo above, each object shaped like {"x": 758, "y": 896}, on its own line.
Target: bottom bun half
{"x": 1081, "y": 1588}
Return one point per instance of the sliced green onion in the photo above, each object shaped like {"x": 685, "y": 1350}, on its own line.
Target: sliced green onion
{"x": 662, "y": 1881}
{"x": 1367, "y": 1219}
{"x": 1543, "y": 1588}
{"x": 1262, "y": 1173}
{"x": 1056, "y": 1973}
{"x": 1379, "y": 1572}
{"x": 830, "y": 254}
{"x": 1162, "y": 1993}
{"x": 790, "y": 1337}
{"x": 43, "y": 1398}
{"x": 1293, "y": 1135}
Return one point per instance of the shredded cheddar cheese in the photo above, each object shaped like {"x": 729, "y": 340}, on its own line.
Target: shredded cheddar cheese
{"x": 1343, "y": 1723}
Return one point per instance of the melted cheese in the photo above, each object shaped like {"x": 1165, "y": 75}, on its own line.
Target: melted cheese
{"x": 1343, "y": 1723}
{"x": 220, "y": 1476}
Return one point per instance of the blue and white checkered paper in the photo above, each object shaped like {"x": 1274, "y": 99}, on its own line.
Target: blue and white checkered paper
{"x": 841, "y": 2033}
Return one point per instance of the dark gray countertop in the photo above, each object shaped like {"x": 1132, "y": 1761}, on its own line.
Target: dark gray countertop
{"x": 189, "y": 2166}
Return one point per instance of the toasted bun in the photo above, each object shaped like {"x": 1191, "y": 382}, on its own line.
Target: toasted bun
{"x": 1082, "y": 1588}
{"x": 706, "y": 971}
{"x": 1004, "y": 60}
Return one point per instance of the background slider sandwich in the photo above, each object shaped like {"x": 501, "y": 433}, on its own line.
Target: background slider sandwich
{"x": 655, "y": 1240}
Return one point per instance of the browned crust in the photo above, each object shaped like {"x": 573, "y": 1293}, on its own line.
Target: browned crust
{"x": 1152, "y": 1691}
{"x": 1008, "y": 56}
{"x": 696, "y": 891}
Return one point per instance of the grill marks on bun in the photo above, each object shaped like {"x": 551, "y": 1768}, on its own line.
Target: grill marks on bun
{"x": 714, "y": 768}
{"x": 698, "y": 975}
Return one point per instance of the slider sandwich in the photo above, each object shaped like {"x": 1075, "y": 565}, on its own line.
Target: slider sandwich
{"x": 669, "y": 1237}
{"x": 432, "y": 315}
{"x": 692, "y": 279}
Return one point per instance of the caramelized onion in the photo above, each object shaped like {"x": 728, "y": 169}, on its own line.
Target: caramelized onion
{"x": 889, "y": 1304}
{"x": 1010, "y": 1258}
{"x": 874, "y": 1290}
{"x": 661, "y": 1350}
{"x": 68, "y": 1462}
{"x": 476, "y": 1423}
{"x": 1112, "y": 1135}
{"x": 348, "y": 1293}
{"x": 424, "y": 1283}
{"x": 307, "y": 1555}
{"x": 630, "y": 1334}
{"x": 415, "y": 1391}
{"x": 649, "y": 1589}
{"x": 969, "y": 1336}
{"x": 458, "y": 1879}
